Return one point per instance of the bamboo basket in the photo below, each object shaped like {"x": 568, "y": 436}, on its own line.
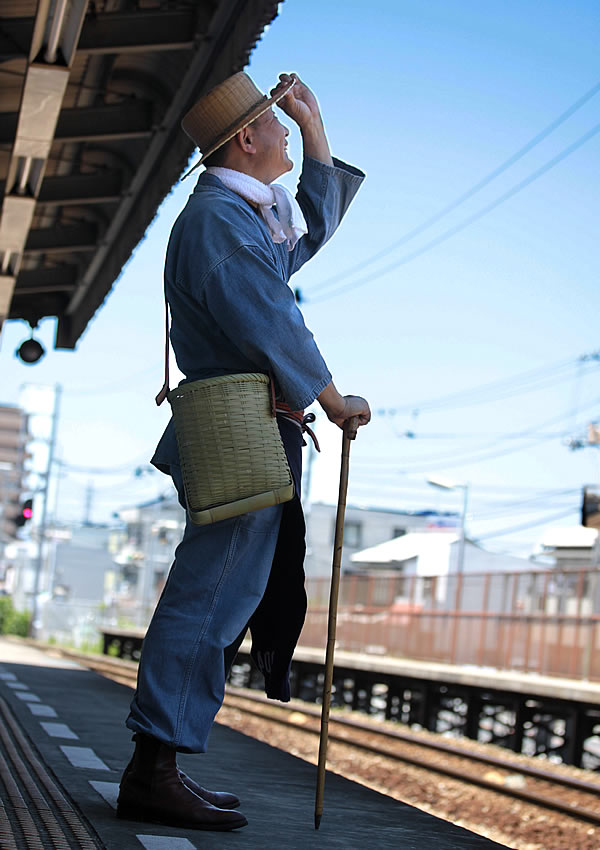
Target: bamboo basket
{"x": 231, "y": 453}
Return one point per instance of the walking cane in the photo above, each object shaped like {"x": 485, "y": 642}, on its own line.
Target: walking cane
{"x": 350, "y": 429}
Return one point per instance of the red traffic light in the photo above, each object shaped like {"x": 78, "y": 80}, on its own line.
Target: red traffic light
{"x": 26, "y": 513}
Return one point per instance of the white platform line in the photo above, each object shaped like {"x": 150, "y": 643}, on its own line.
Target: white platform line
{"x": 84, "y": 757}
{"x": 109, "y": 791}
{"x": 41, "y": 710}
{"x": 8, "y": 677}
{"x": 165, "y": 842}
{"x": 17, "y": 686}
{"x": 27, "y": 696}
{"x": 58, "y": 730}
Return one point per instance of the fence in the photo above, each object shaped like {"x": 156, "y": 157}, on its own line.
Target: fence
{"x": 544, "y": 622}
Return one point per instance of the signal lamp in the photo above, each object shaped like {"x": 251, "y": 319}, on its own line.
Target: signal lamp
{"x": 26, "y": 513}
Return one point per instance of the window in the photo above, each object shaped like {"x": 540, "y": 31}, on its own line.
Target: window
{"x": 398, "y": 532}
{"x": 352, "y": 535}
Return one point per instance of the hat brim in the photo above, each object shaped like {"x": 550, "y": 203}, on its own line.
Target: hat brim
{"x": 242, "y": 123}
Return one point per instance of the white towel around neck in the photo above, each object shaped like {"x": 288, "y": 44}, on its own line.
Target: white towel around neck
{"x": 289, "y": 226}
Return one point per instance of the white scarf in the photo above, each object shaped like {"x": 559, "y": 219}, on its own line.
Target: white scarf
{"x": 290, "y": 225}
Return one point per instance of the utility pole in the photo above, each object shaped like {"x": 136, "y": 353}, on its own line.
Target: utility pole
{"x": 44, "y": 515}
{"x": 89, "y": 496}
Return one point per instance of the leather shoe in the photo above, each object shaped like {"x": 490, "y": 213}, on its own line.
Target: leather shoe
{"x": 220, "y": 799}
{"x": 152, "y": 790}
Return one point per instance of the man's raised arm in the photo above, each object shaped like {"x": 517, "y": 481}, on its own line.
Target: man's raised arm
{"x": 302, "y": 107}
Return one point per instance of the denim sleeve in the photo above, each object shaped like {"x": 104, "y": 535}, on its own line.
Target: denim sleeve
{"x": 324, "y": 193}
{"x": 256, "y": 310}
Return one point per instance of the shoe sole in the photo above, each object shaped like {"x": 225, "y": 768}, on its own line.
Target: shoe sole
{"x": 143, "y": 816}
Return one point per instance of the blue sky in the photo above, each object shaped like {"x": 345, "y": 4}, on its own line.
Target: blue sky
{"x": 427, "y": 99}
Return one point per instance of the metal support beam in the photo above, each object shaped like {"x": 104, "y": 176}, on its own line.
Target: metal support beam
{"x": 139, "y": 32}
{"x": 57, "y": 240}
{"x": 129, "y": 120}
{"x": 7, "y": 285}
{"x": 132, "y": 32}
{"x": 56, "y": 29}
{"x": 74, "y": 189}
{"x": 61, "y": 278}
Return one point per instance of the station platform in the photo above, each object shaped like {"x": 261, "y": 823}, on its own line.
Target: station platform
{"x": 512, "y": 681}
{"x": 63, "y": 747}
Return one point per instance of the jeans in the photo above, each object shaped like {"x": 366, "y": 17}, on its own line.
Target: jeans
{"x": 215, "y": 584}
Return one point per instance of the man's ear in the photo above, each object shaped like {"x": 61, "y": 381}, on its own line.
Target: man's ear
{"x": 245, "y": 140}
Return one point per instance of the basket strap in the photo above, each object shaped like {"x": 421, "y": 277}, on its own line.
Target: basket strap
{"x": 165, "y": 387}
{"x": 300, "y": 419}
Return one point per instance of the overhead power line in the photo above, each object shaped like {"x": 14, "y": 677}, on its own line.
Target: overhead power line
{"x": 514, "y": 528}
{"x": 458, "y": 228}
{"x": 491, "y": 451}
{"x": 502, "y": 388}
{"x": 485, "y": 181}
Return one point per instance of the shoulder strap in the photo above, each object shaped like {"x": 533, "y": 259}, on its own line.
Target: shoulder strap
{"x": 165, "y": 387}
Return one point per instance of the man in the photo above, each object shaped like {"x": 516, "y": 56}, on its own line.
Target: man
{"x": 230, "y": 255}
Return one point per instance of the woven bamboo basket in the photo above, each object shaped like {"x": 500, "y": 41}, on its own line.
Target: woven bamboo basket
{"x": 231, "y": 453}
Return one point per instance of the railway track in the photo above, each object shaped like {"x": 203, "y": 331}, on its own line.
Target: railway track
{"x": 548, "y": 789}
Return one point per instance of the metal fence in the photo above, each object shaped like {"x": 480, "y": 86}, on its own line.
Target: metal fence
{"x": 545, "y": 622}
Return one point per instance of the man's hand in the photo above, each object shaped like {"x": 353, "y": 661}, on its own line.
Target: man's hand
{"x": 302, "y": 107}
{"x": 299, "y": 103}
{"x": 354, "y": 406}
{"x": 340, "y": 408}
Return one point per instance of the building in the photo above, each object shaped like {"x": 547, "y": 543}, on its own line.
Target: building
{"x": 425, "y": 561}
{"x": 571, "y": 548}
{"x": 145, "y": 554}
{"x": 363, "y": 527}
{"x": 14, "y": 436}
{"x": 433, "y": 552}
{"x": 76, "y": 580}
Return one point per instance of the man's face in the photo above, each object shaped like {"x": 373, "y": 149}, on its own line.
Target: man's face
{"x": 270, "y": 139}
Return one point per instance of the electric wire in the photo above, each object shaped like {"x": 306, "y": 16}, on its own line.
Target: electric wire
{"x": 526, "y": 525}
{"x": 481, "y": 184}
{"x": 129, "y": 467}
{"x": 115, "y": 387}
{"x": 501, "y": 388}
{"x": 424, "y": 463}
{"x": 458, "y": 228}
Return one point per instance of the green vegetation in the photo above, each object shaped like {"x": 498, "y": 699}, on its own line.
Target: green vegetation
{"x": 13, "y": 622}
{"x": 92, "y": 647}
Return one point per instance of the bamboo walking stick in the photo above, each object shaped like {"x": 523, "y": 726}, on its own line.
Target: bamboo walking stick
{"x": 350, "y": 429}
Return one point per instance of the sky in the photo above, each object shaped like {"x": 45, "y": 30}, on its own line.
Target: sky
{"x": 473, "y": 339}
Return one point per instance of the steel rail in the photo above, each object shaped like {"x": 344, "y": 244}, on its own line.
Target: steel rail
{"x": 437, "y": 746}
{"x": 532, "y": 797}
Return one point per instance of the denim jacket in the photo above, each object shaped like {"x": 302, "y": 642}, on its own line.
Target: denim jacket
{"x": 226, "y": 284}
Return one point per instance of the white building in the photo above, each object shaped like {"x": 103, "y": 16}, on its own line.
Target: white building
{"x": 433, "y": 553}
{"x": 571, "y": 547}
{"x": 363, "y": 527}
{"x": 426, "y": 564}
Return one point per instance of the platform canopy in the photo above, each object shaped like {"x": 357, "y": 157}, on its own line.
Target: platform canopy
{"x": 90, "y": 143}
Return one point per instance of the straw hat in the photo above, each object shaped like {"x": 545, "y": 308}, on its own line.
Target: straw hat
{"x": 226, "y": 110}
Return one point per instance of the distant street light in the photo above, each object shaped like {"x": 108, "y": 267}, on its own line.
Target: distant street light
{"x": 445, "y": 484}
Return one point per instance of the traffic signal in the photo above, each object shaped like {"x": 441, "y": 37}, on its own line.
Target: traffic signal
{"x": 25, "y": 514}
{"x": 590, "y": 508}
